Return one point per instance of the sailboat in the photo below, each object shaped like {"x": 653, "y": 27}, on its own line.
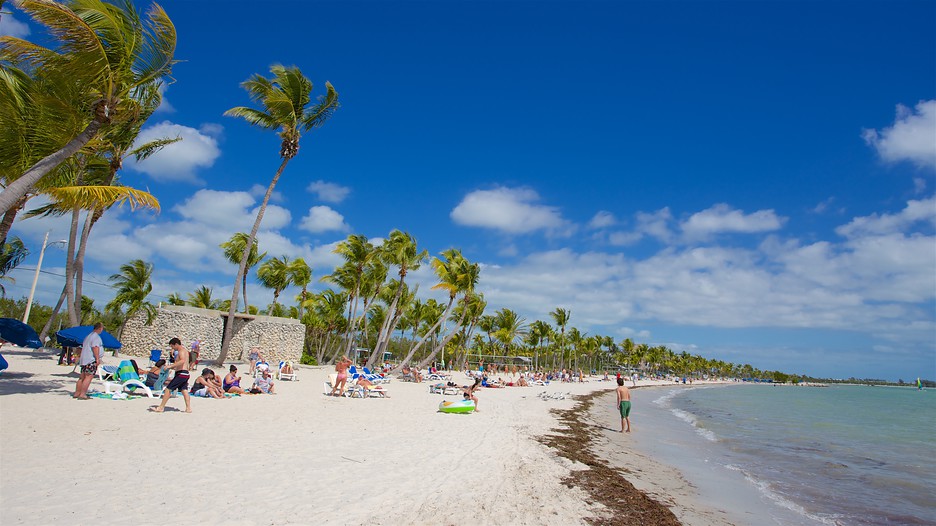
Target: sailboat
{"x": 919, "y": 384}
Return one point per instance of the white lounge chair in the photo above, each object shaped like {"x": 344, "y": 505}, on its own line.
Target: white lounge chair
{"x": 280, "y": 375}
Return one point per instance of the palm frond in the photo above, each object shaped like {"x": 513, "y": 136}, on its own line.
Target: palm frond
{"x": 88, "y": 197}
{"x": 318, "y": 114}
{"x": 145, "y": 150}
{"x": 255, "y": 117}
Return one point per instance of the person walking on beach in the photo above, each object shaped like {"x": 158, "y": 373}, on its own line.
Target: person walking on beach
{"x": 180, "y": 380}
{"x": 624, "y": 404}
{"x": 92, "y": 349}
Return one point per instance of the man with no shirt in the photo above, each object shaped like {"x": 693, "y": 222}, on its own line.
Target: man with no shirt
{"x": 624, "y": 404}
{"x": 180, "y": 380}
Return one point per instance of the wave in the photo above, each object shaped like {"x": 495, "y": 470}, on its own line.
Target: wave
{"x": 764, "y": 488}
{"x": 691, "y": 419}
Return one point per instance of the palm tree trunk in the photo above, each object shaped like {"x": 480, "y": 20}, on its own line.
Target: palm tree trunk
{"x": 244, "y": 286}
{"x": 8, "y": 217}
{"x": 412, "y": 351}
{"x": 82, "y": 249}
{"x": 70, "y": 269}
{"x": 21, "y": 186}
{"x": 55, "y": 311}
{"x": 441, "y": 345}
{"x": 242, "y": 268}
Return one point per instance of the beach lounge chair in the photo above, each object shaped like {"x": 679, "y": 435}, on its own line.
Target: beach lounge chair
{"x": 124, "y": 378}
{"x": 376, "y": 378}
{"x": 155, "y": 356}
{"x": 280, "y": 375}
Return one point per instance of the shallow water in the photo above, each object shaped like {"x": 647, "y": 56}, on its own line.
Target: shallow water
{"x": 838, "y": 455}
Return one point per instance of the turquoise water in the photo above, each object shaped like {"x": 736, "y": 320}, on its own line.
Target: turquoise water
{"x": 837, "y": 455}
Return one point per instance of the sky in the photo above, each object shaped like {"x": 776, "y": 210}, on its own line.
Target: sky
{"x": 747, "y": 181}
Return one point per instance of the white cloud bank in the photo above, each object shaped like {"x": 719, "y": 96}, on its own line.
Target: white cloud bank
{"x": 510, "y": 210}
{"x": 178, "y": 161}
{"x": 912, "y": 137}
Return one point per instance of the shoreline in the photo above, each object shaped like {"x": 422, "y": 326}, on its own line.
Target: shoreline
{"x": 297, "y": 457}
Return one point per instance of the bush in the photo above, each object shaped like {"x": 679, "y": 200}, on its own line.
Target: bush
{"x": 307, "y": 359}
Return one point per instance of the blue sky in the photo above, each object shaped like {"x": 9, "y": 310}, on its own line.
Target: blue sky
{"x": 748, "y": 181}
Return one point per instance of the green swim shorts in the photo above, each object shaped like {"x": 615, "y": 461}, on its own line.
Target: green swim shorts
{"x": 625, "y": 409}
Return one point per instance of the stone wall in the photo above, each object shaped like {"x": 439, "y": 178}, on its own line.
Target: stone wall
{"x": 278, "y": 338}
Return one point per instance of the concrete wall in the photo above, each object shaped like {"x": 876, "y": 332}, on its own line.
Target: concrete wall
{"x": 278, "y": 338}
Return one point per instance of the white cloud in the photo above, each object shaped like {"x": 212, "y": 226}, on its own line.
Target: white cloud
{"x": 230, "y": 211}
{"x": 329, "y": 192}
{"x": 912, "y": 137}
{"x": 721, "y": 218}
{"x": 511, "y": 210}
{"x": 10, "y": 26}
{"x": 649, "y": 224}
{"x": 602, "y": 219}
{"x": 178, "y": 161}
{"x": 915, "y": 211}
{"x": 323, "y": 219}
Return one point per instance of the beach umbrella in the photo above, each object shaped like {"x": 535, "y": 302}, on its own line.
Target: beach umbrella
{"x": 18, "y": 333}
{"x": 74, "y": 336}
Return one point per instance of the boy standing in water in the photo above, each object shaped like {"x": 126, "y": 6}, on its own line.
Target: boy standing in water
{"x": 624, "y": 404}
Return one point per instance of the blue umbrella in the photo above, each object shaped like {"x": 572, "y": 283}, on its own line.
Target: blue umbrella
{"x": 74, "y": 336}
{"x": 17, "y": 332}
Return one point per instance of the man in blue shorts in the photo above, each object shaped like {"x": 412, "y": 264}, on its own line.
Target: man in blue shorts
{"x": 180, "y": 380}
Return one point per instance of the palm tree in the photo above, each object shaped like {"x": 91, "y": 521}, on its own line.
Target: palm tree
{"x": 234, "y": 251}
{"x": 133, "y": 285}
{"x": 175, "y": 299}
{"x": 107, "y": 52}
{"x": 202, "y": 298}
{"x": 11, "y": 256}
{"x": 300, "y": 275}
{"x": 398, "y": 250}
{"x": 358, "y": 253}
{"x": 456, "y": 275}
{"x": 286, "y": 99}
{"x": 561, "y": 318}
{"x": 274, "y": 274}
{"x": 510, "y": 326}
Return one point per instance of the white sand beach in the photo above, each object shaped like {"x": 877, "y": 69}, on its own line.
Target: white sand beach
{"x": 297, "y": 457}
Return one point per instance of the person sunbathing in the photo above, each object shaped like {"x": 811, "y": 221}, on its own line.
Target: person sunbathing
{"x": 286, "y": 369}
{"x": 522, "y": 382}
{"x": 231, "y": 383}
{"x": 153, "y": 374}
{"x": 369, "y": 385}
{"x": 205, "y": 385}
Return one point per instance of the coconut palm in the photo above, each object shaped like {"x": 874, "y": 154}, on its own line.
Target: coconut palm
{"x": 300, "y": 275}
{"x": 456, "y": 275}
{"x": 234, "y": 251}
{"x": 285, "y": 98}
{"x": 202, "y": 298}
{"x": 133, "y": 284}
{"x": 398, "y": 250}
{"x": 510, "y": 326}
{"x": 105, "y": 54}
{"x": 358, "y": 253}
{"x": 561, "y": 318}
{"x": 274, "y": 274}
{"x": 11, "y": 256}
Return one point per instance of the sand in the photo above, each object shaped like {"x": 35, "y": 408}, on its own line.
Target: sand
{"x": 299, "y": 457}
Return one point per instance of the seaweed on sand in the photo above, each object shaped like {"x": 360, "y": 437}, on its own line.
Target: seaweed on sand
{"x": 606, "y": 485}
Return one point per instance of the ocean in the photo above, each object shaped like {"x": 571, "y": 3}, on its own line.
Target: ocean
{"x": 837, "y": 455}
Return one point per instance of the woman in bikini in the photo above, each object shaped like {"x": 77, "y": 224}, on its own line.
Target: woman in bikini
{"x": 341, "y": 367}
